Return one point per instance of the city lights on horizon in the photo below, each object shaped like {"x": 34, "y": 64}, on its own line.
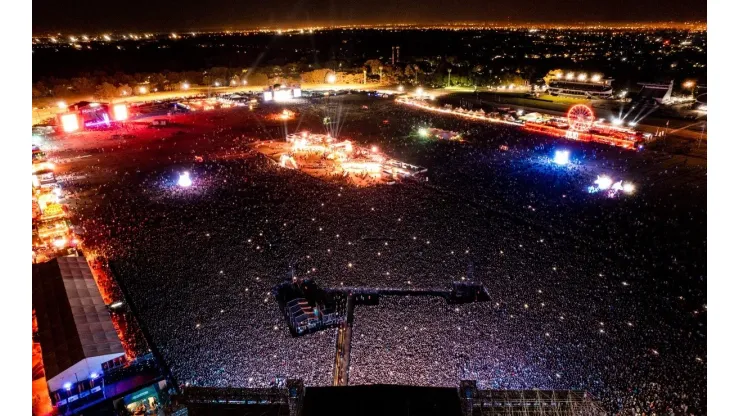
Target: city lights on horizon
{"x": 533, "y": 28}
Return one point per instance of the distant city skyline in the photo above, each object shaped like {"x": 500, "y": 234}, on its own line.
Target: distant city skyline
{"x": 136, "y": 15}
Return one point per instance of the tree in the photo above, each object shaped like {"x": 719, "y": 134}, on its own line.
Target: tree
{"x": 257, "y": 78}
{"x": 317, "y": 76}
{"x": 140, "y": 78}
{"x": 157, "y": 80}
{"x": 41, "y": 87}
{"x": 193, "y": 77}
{"x": 409, "y": 71}
{"x": 60, "y": 91}
{"x": 509, "y": 78}
{"x": 219, "y": 72}
{"x": 553, "y": 74}
{"x": 105, "y": 91}
{"x": 121, "y": 78}
{"x": 173, "y": 77}
{"x": 83, "y": 85}
{"x": 291, "y": 68}
{"x": 374, "y": 65}
{"x": 35, "y": 93}
{"x": 347, "y": 78}
{"x": 124, "y": 91}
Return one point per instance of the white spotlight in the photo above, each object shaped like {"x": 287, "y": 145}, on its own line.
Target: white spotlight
{"x": 185, "y": 181}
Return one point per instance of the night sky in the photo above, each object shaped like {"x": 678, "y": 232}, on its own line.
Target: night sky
{"x": 151, "y": 15}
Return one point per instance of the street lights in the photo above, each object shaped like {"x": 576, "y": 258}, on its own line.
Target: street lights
{"x": 449, "y": 76}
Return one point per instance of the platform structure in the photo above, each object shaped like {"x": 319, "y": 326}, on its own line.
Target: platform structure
{"x": 329, "y": 158}
{"x": 285, "y": 399}
{"x": 294, "y": 399}
{"x": 484, "y": 402}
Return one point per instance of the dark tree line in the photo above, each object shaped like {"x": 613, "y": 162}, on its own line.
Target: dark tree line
{"x": 439, "y": 73}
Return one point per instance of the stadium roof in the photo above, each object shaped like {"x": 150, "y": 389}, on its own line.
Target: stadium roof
{"x": 581, "y": 86}
{"x": 75, "y": 329}
{"x": 657, "y": 92}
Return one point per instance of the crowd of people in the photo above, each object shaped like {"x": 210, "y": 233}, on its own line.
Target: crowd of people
{"x": 588, "y": 292}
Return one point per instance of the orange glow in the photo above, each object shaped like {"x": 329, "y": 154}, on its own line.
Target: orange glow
{"x": 120, "y": 112}
{"x": 70, "y": 122}
{"x": 39, "y": 389}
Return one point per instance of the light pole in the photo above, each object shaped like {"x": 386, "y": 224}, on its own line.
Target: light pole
{"x": 701, "y": 138}
{"x": 449, "y": 76}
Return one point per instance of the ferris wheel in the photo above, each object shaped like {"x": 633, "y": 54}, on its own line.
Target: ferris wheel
{"x": 580, "y": 117}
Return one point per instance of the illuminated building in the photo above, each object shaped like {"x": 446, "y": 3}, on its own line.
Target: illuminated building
{"x": 581, "y": 85}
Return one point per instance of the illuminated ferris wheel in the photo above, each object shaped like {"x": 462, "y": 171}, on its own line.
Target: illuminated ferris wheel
{"x": 580, "y": 117}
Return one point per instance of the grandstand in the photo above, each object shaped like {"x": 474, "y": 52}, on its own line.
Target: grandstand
{"x": 583, "y": 85}
{"x": 654, "y": 93}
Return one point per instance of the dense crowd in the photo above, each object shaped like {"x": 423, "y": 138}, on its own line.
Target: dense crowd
{"x": 591, "y": 293}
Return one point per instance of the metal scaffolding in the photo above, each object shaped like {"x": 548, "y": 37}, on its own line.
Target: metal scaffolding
{"x": 476, "y": 402}
{"x": 289, "y": 396}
